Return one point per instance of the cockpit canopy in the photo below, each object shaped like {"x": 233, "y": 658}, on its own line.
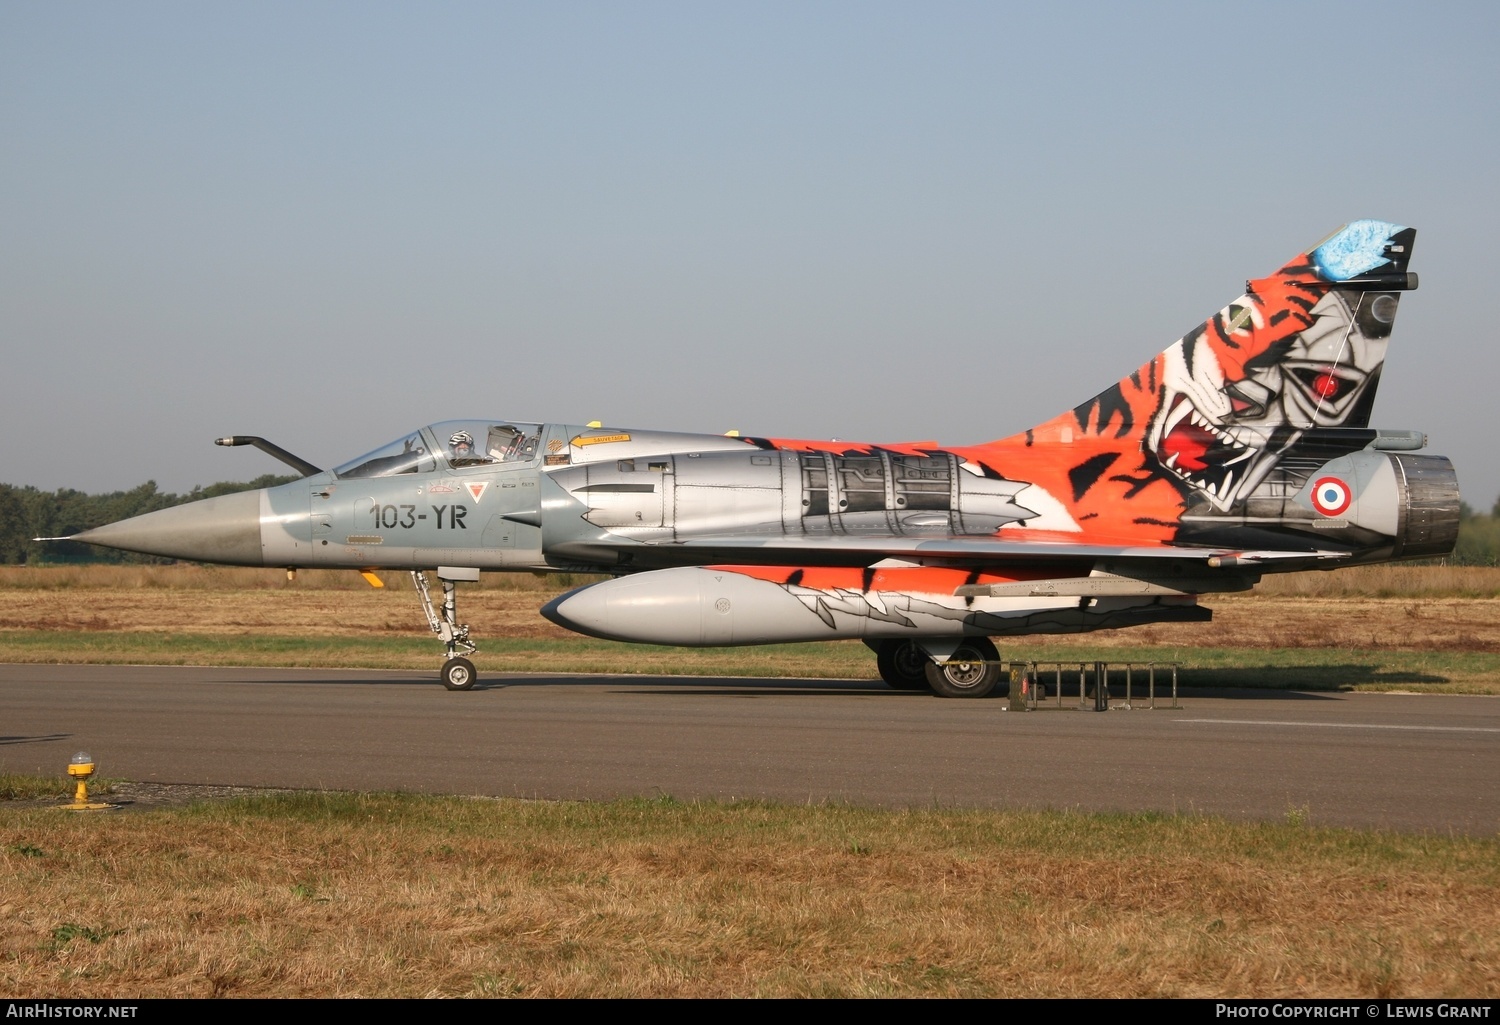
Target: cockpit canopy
{"x": 452, "y": 444}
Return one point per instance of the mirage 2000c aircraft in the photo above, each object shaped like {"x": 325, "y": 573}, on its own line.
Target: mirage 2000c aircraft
{"x": 1243, "y": 449}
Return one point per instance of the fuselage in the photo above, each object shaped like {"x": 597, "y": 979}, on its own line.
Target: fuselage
{"x": 728, "y": 540}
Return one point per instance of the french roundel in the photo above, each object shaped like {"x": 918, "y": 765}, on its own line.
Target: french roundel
{"x": 1330, "y": 496}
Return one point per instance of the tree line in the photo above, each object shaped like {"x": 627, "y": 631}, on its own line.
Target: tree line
{"x": 26, "y": 512}
{"x": 1478, "y": 537}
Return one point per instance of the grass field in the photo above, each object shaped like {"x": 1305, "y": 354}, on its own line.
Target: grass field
{"x": 322, "y": 894}
{"x": 388, "y": 895}
{"x": 1412, "y": 628}
{"x": 1298, "y": 668}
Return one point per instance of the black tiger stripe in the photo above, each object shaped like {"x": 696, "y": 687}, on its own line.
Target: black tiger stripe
{"x": 1189, "y": 343}
{"x": 1218, "y": 323}
{"x": 1137, "y": 484}
{"x": 970, "y": 580}
{"x": 1087, "y": 473}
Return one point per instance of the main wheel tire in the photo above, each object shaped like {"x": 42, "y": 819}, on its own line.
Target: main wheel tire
{"x": 459, "y": 674}
{"x": 972, "y": 671}
{"x": 902, "y": 664}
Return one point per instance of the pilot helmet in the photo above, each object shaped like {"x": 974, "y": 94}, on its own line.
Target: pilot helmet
{"x": 463, "y": 438}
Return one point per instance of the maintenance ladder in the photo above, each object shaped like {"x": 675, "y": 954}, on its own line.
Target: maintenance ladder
{"x": 1028, "y": 684}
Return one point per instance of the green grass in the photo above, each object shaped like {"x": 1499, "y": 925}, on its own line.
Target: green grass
{"x": 1266, "y": 668}
{"x": 17, "y": 787}
{"x": 21, "y": 787}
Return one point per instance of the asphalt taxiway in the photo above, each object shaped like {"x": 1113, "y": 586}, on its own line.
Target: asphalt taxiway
{"x": 1395, "y": 761}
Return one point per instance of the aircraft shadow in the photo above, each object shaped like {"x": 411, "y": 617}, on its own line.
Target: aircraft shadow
{"x": 781, "y": 690}
{"x": 335, "y": 681}
{"x": 43, "y": 739}
{"x": 1309, "y": 677}
{"x": 715, "y": 685}
{"x": 1295, "y": 682}
{"x": 667, "y": 684}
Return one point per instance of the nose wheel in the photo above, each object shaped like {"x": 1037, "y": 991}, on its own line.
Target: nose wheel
{"x": 458, "y": 672}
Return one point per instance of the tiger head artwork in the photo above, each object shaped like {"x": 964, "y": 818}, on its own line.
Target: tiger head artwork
{"x": 1245, "y": 387}
{"x": 1204, "y": 424}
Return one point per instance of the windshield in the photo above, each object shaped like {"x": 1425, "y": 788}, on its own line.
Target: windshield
{"x": 454, "y": 443}
{"x": 404, "y": 455}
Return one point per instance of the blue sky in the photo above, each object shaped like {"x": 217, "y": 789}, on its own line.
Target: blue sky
{"x": 328, "y": 223}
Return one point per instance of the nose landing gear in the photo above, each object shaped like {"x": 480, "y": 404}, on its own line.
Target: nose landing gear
{"x": 458, "y": 672}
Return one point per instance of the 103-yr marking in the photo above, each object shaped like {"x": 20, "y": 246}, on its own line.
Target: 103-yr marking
{"x": 390, "y": 517}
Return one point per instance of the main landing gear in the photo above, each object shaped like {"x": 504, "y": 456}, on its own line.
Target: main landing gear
{"x": 458, "y": 672}
{"x": 968, "y": 669}
{"x": 902, "y": 664}
{"x": 971, "y": 670}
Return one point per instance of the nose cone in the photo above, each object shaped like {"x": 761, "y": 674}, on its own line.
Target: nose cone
{"x": 224, "y": 529}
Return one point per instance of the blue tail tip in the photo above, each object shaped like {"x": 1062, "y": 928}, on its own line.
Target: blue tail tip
{"x": 1358, "y": 248}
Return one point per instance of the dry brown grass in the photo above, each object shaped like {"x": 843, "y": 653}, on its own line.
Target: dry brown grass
{"x": 139, "y": 615}
{"x": 1397, "y": 580}
{"x": 285, "y": 611}
{"x": 338, "y": 895}
{"x": 190, "y": 577}
{"x": 1288, "y": 621}
{"x": 228, "y": 601}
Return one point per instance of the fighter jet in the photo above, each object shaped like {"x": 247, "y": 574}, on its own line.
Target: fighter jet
{"x": 1242, "y": 449}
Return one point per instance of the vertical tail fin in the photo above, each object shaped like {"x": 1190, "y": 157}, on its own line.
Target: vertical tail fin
{"x": 1207, "y": 420}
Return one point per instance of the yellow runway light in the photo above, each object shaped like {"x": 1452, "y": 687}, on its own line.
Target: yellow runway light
{"x": 81, "y": 768}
